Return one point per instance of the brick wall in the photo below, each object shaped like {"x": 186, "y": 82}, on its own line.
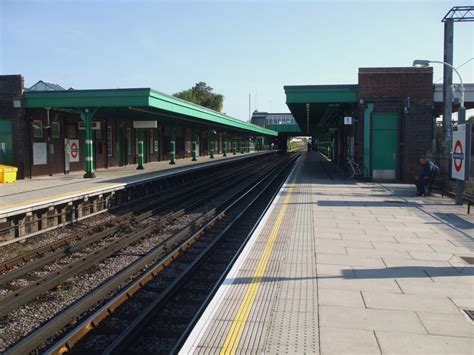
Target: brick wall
{"x": 416, "y": 83}
{"x": 11, "y": 89}
{"x": 409, "y": 93}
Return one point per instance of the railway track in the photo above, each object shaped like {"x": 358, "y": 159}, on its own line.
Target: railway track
{"x": 95, "y": 296}
{"x": 137, "y": 210}
{"x": 173, "y": 300}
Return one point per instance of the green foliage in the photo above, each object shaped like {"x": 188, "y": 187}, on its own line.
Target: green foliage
{"x": 203, "y": 95}
{"x": 25, "y": 250}
{"x": 470, "y": 119}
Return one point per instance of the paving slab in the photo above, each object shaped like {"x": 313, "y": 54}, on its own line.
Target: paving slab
{"x": 383, "y": 300}
{"x": 370, "y": 319}
{"x": 348, "y": 341}
{"x": 447, "y": 324}
{"x": 406, "y": 343}
{"x": 356, "y": 268}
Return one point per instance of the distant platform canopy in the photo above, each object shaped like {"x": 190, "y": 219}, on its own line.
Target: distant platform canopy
{"x": 139, "y": 104}
{"x": 316, "y": 106}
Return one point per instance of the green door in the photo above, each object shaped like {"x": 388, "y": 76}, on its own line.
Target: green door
{"x": 6, "y": 142}
{"x": 384, "y": 145}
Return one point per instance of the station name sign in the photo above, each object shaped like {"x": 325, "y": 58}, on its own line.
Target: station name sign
{"x": 461, "y": 152}
{"x": 145, "y": 124}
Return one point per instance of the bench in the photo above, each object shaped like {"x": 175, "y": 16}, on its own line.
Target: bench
{"x": 440, "y": 183}
{"x": 437, "y": 182}
{"x": 469, "y": 198}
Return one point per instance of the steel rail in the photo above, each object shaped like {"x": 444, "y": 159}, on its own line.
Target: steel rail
{"x": 67, "y": 342}
{"x": 190, "y": 186}
{"x": 27, "y": 293}
{"x": 180, "y": 197}
{"x": 202, "y": 308}
{"x": 138, "y": 324}
{"x": 54, "y": 325}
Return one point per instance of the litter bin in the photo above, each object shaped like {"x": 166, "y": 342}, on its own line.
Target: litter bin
{"x": 7, "y": 174}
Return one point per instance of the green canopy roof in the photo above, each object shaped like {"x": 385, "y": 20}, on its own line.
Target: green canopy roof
{"x": 316, "y": 106}
{"x": 139, "y": 104}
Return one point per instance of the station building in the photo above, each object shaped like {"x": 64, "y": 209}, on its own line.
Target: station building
{"x": 48, "y": 130}
{"x": 390, "y": 118}
{"x": 283, "y": 123}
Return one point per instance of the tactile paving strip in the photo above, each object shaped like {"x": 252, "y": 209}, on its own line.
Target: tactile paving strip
{"x": 284, "y": 315}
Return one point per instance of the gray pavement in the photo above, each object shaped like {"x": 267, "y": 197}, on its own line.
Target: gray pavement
{"x": 363, "y": 268}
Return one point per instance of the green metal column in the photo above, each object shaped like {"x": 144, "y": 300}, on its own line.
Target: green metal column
{"x": 224, "y": 145}
{"x": 211, "y": 145}
{"x": 234, "y": 146}
{"x": 87, "y": 116}
{"x": 194, "y": 145}
{"x": 140, "y": 157}
{"x": 242, "y": 146}
{"x": 367, "y": 133}
{"x": 158, "y": 141}
{"x": 173, "y": 146}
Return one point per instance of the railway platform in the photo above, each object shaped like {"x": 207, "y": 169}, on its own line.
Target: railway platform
{"x": 45, "y": 199}
{"x": 336, "y": 267}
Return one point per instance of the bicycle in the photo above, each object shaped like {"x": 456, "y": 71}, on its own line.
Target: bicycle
{"x": 356, "y": 171}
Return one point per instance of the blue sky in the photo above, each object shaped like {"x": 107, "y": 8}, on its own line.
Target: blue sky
{"x": 237, "y": 47}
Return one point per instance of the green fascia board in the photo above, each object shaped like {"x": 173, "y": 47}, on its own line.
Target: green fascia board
{"x": 303, "y": 94}
{"x": 87, "y": 98}
{"x": 285, "y": 128}
{"x": 142, "y": 97}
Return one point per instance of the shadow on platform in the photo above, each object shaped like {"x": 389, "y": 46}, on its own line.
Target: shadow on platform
{"x": 359, "y": 274}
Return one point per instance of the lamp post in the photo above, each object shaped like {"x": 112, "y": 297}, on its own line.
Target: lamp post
{"x": 460, "y": 184}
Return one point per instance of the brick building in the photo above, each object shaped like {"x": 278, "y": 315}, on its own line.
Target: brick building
{"x": 392, "y": 119}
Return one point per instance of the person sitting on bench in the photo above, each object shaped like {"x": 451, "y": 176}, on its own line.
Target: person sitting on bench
{"x": 428, "y": 169}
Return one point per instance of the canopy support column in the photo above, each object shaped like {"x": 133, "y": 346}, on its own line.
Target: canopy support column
{"x": 87, "y": 116}
{"x": 234, "y": 146}
{"x": 224, "y": 145}
{"x": 173, "y": 146}
{"x": 140, "y": 157}
{"x": 211, "y": 145}
{"x": 194, "y": 144}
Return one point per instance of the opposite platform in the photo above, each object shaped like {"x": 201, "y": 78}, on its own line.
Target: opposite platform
{"x": 40, "y": 192}
{"x": 337, "y": 267}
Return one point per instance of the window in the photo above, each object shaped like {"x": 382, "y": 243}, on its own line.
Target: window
{"x": 37, "y": 129}
{"x": 110, "y": 141}
{"x": 71, "y": 132}
{"x": 55, "y": 130}
{"x": 98, "y": 133}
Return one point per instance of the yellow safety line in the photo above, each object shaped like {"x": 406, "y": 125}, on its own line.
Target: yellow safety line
{"x": 238, "y": 324}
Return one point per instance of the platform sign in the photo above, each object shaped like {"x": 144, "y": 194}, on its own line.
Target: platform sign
{"x": 74, "y": 150}
{"x": 39, "y": 153}
{"x": 348, "y": 120}
{"x": 461, "y": 152}
{"x": 145, "y": 124}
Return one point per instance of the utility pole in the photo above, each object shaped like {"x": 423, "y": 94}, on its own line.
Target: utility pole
{"x": 447, "y": 88}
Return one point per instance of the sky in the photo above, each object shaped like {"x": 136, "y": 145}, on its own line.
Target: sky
{"x": 237, "y": 47}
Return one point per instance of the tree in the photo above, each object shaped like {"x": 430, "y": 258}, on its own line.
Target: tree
{"x": 203, "y": 95}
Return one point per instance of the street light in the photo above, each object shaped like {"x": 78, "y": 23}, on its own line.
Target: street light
{"x": 423, "y": 63}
